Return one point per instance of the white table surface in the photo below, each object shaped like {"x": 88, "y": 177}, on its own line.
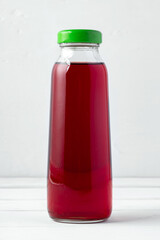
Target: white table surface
{"x": 23, "y": 215}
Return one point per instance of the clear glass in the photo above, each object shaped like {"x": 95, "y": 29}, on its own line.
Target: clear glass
{"x": 79, "y": 52}
{"x": 79, "y": 166}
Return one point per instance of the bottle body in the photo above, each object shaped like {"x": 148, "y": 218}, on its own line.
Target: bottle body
{"x": 79, "y": 169}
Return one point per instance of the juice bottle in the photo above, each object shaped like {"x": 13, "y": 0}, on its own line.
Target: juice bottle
{"x": 79, "y": 165}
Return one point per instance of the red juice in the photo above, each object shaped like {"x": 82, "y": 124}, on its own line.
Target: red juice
{"x": 79, "y": 169}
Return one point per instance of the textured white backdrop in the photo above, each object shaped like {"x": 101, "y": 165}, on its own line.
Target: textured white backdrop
{"x": 131, "y": 50}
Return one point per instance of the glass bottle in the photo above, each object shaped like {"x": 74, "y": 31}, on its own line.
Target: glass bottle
{"x": 79, "y": 166}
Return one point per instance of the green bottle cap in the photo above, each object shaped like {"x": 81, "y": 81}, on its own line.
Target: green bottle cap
{"x": 79, "y": 36}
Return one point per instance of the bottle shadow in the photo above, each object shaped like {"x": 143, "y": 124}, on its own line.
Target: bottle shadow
{"x": 140, "y": 216}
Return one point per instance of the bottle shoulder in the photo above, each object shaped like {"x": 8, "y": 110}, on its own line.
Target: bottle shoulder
{"x": 79, "y": 69}
{"x": 79, "y": 54}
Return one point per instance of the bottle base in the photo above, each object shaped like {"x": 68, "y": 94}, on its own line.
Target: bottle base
{"x": 77, "y": 221}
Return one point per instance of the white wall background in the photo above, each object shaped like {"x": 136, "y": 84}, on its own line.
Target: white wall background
{"x": 131, "y": 49}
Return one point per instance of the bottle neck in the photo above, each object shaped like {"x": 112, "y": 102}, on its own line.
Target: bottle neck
{"x": 79, "y": 52}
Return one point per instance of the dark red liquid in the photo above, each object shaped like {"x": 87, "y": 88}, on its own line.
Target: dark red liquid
{"x": 79, "y": 170}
